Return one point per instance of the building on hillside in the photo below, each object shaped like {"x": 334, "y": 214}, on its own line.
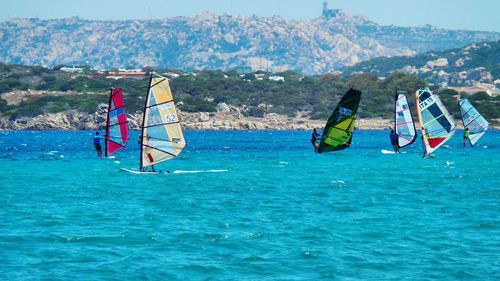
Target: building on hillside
{"x": 72, "y": 69}
{"x": 122, "y": 74}
{"x": 171, "y": 74}
{"x": 276, "y": 78}
{"x": 330, "y": 13}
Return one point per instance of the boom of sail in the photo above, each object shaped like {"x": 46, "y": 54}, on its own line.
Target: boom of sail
{"x": 338, "y": 131}
{"x": 473, "y": 120}
{"x": 117, "y": 133}
{"x": 161, "y": 138}
{"x": 403, "y": 121}
{"x": 436, "y": 124}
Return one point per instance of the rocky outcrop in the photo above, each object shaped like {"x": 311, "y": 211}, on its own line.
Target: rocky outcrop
{"x": 469, "y": 66}
{"x": 70, "y": 120}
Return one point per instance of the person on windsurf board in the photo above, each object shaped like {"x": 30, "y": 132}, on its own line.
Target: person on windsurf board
{"x": 394, "y": 140}
{"x": 97, "y": 144}
{"x": 466, "y": 137}
{"x": 314, "y": 140}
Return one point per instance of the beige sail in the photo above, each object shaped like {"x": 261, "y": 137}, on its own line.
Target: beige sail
{"x": 162, "y": 138}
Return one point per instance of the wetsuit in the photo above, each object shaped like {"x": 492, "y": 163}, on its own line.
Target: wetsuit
{"x": 394, "y": 138}
{"x": 314, "y": 137}
{"x": 394, "y": 141}
{"x": 466, "y": 134}
{"x": 97, "y": 143}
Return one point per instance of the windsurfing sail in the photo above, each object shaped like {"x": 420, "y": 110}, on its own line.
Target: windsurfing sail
{"x": 161, "y": 138}
{"x": 472, "y": 119}
{"x": 337, "y": 134}
{"x": 116, "y": 123}
{"x": 403, "y": 121}
{"x": 436, "y": 124}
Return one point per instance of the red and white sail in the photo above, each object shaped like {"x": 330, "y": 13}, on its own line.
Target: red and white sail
{"x": 436, "y": 123}
{"x": 117, "y": 133}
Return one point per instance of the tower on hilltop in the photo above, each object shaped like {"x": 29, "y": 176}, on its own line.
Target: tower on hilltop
{"x": 330, "y": 13}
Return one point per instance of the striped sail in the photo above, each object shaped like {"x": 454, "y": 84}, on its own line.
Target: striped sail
{"x": 117, "y": 133}
{"x": 473, "y": 120}
{"x": 162, "y": 138}
{"x": 338, "y": 131}
{"x": 404, "y": 126}
{"x": 436, "y": 124}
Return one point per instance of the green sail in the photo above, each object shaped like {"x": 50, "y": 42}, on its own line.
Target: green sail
{"x": 337, "y": 134}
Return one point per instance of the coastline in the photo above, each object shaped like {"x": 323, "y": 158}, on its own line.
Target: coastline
{"x": 216, "y": 121}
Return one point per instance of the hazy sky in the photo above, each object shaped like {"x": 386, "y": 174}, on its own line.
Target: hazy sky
{"x": 454, "y": 14}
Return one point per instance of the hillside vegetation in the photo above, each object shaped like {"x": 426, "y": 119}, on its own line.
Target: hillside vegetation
{"x": 315, "y": 96}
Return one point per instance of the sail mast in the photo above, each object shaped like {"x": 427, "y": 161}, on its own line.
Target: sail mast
{"x": 106, "y": 135}
{"x": 422, "y": 130}
{"x": 144, "y": 119}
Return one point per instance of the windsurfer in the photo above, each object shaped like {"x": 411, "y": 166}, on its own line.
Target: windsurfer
{"x": 314, "y": 140}
{"x": 97, "y": 144}
{"x": 394, "y": 140}
{"x": 466, "y": 137}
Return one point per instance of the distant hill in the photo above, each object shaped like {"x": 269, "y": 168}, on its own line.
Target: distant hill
{"x": 209, "y": 41}
{"x": 476, "y": 63}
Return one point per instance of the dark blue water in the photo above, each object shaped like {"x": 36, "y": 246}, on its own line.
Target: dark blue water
{"x": 248, "y": 206}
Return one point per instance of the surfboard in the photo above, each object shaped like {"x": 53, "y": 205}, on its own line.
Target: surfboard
{"x": 385, "y": 151}
{"x": 139, "y": 172}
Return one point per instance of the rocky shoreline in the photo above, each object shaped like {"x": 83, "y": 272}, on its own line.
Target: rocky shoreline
{"x": 226, "y": 118}
{"x": 222, "y": 120}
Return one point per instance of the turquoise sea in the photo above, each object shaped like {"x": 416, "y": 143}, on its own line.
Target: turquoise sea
{"x": 276, "y": 211}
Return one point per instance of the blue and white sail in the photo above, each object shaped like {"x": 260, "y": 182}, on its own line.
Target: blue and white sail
{"x": 472, "y": 119}
{"x": 403, "y": 121}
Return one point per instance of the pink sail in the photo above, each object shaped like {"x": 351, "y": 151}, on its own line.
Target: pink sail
{"x": 117, "y": 133}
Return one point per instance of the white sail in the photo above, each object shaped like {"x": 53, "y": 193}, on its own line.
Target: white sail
{"x": 472, "y": 119}
{"x": 162, "y": 138}
{"x": 404, "y": 125}
{"x": 437, "y": 125}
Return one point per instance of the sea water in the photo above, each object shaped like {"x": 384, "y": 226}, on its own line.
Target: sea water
{"x": 249, "y": 205}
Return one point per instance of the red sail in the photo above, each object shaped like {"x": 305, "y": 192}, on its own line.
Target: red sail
{"x": 116, "y": 125}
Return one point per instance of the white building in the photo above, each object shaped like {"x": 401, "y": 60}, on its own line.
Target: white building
{"x": 277, "y": 78}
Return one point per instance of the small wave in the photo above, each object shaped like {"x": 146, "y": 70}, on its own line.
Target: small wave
{"x": 116, "y": 162}
{"x": 198, "y": 171}
{"x": 284, "y": 162}
{"x": 61, "y": 156}
{"x": 339, "y": 183}
{"x": 111, "y": 157}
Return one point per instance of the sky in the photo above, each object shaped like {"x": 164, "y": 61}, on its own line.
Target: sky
{"x": 452, "y": 14}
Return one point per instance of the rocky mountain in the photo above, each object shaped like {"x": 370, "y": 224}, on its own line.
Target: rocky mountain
{"x": 468, "y": 66}
{"x": 210, "y": 41}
